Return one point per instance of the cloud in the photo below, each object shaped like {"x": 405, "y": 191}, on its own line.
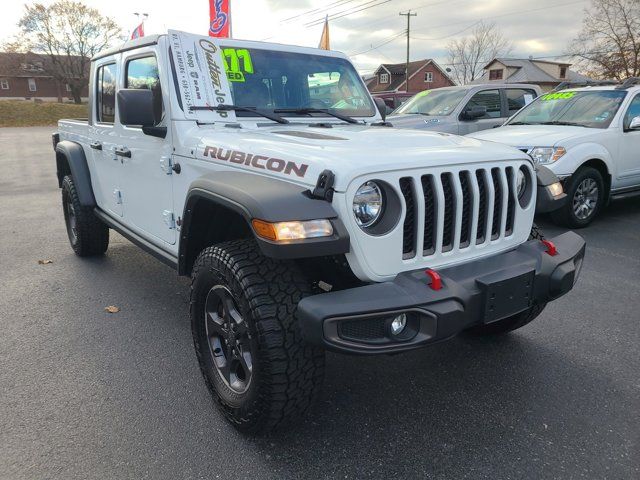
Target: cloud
{"x": 536, "y": 27}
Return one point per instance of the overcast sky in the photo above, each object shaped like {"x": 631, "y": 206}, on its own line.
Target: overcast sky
{"x": 536, "y": 27}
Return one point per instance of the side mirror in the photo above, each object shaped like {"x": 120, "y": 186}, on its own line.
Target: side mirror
{"x": 472, "y": 113}
{"x": 635, "y": 124}
{"x": 382, "y": 108}
{"x": 135, "y": 107}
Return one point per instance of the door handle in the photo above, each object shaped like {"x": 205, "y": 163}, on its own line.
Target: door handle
{"x": 96, "y": 146}
{"x": 123, "y": 152}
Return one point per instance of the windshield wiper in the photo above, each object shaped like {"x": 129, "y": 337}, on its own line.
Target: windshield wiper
{"x": 568, "y": 124}
{"x": 235, "y": 108}
{"x": 339, "y": 116}
{"x": 521, "y": 123}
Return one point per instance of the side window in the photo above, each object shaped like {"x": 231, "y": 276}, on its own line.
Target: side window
{"x": 489, "y": 99}
{"x": 632, "y": 111}
{"x": 106, "y": 93}
{"x": 143, "y": 73}
{"x": 518, "y": 98}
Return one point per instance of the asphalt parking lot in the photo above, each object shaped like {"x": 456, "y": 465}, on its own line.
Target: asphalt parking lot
{"x": 87, "y": 394}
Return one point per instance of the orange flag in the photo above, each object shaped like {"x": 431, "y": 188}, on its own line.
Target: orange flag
{"x": 324, "y": 39}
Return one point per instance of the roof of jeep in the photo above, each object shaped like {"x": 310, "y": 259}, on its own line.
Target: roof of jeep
{"x": 153, "y": 40}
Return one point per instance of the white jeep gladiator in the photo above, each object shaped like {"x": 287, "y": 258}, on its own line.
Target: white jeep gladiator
{"x": 267, "y": 174}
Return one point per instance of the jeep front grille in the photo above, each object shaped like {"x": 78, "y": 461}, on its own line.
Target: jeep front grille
{"x": 461, "y": 208}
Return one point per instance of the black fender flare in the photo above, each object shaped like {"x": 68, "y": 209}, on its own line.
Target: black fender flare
{"x": 265, "y": 198}
{"x": 76, "y": 160}
{"x": 545, "y": 202}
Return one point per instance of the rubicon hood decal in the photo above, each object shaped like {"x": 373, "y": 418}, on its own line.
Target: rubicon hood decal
{"x": 260, "y": 162}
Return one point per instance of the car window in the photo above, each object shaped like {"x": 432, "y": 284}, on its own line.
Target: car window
{"x": 432, "y": 102}
{"x": 324, "y": 90}
{"x": 518, "y": 98}
{"x": 633, "y": 111}
{"x": 143, "y": 73}
{"x": 106, "y": 93}
{"x": 584, "y": 108}
{"x": 489, "y": 99}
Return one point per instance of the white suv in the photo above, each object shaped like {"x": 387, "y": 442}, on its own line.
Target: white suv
{"x": 589, "y": 137}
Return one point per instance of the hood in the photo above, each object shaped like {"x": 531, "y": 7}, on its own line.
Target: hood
{"x": 533, "y": 135}
{"x": 299, "y": 153}
{"x": 431, "y": 122}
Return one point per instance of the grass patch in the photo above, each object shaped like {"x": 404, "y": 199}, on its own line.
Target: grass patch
{"x": 21, "y": 113}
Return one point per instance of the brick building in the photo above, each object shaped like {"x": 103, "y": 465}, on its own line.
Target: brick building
{"x": 423, "y": 75}
{"x": 23, "y": 76}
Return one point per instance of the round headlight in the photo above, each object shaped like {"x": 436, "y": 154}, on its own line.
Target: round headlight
{"x": 367, "y": 204}
{"x": 521, "y": 183}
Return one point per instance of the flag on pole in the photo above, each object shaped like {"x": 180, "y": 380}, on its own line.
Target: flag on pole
{"x": 324, "y": 39}
{"x": 138, "y": 32}
{"x": 220, "y": 18}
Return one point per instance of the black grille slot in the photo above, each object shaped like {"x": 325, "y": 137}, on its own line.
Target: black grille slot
{"x": 449, "y": 212}
{"x": 497, "y": 204}
{"x": 362, "y": 330}
{"x": 511, "y": 202}
{"x": 430, "y": 215}
{"x": 409, "y": 228}
{"x": 483, "y": 212}
{"x": 465, "y": 231}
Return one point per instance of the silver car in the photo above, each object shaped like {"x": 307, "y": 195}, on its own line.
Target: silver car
{"x": 465, "y": 109}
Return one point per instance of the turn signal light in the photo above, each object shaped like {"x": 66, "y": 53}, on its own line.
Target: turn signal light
{"x": 283, "y": 231}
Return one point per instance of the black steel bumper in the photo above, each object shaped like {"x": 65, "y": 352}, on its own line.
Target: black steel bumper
{"x": 358, "y": 320}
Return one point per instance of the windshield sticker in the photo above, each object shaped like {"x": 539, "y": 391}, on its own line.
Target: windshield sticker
{"x": 423, "y": 94}
{"x": 558, "y": 96}
{"x": 202, "y": 81}
{"x": 237, "y": 64}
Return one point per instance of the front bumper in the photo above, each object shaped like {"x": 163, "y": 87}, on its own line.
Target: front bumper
{"x": 358, "y": 320}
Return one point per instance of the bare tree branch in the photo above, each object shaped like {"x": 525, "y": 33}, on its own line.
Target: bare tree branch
{"x": 68, "y": 33}
{"x": 608, "y": 46}
{"x": 469, "y": 55}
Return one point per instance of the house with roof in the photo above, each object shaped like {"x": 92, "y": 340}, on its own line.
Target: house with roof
{"x": 544, "y": 73}
{"x": 423, "y": 75}
{"x": 24, "y": 76}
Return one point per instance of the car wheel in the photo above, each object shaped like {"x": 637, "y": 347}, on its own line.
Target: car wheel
{"x": 585, "y": 192}
{"x": 88, "y": 235}
{"x": 249, "y": 345}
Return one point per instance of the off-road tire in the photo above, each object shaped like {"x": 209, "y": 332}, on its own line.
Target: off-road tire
{"x": 566, "y": 215}
{"x": 287, "y": 372}
{"x": 516, "y": 321}
{"x": 89, "y": 235}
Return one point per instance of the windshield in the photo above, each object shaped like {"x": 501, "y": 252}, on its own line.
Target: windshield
{"x": 594, "y": 109}
{"x": 271, "y": 80}
{"x": 433, "y": 102}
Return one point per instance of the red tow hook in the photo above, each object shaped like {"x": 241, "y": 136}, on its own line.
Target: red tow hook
{"x": 551, "y": 248}
{"x": 436, "y": 281}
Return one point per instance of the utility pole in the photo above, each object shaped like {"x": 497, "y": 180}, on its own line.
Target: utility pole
{"x": 408, "y": 15}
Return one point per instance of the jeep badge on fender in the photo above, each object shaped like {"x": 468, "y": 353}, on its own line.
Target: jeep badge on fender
{"x": 305, "y": 223}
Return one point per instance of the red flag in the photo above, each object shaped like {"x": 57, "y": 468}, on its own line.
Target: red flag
{"x": 219, "y": 18}
{"x": 138, "y": 32}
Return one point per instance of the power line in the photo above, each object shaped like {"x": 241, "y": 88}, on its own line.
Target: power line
{"x": 319, "y": 9}
{"x": 347, "y": 12}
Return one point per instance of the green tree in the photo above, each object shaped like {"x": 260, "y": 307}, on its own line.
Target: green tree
{"x": 68, "y": 33}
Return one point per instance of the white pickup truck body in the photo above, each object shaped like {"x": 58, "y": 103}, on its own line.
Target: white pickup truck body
{"x": 202, "y": 180}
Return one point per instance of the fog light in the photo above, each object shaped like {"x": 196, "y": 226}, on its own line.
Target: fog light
{"x": 398, "y": 324}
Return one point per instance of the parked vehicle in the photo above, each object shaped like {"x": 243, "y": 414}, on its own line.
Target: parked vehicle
{"x": 589, "y": 137}
{"x": 393, "y": 100}
{"x": 462, "y": 110}
{"x": 303, "y": 228}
